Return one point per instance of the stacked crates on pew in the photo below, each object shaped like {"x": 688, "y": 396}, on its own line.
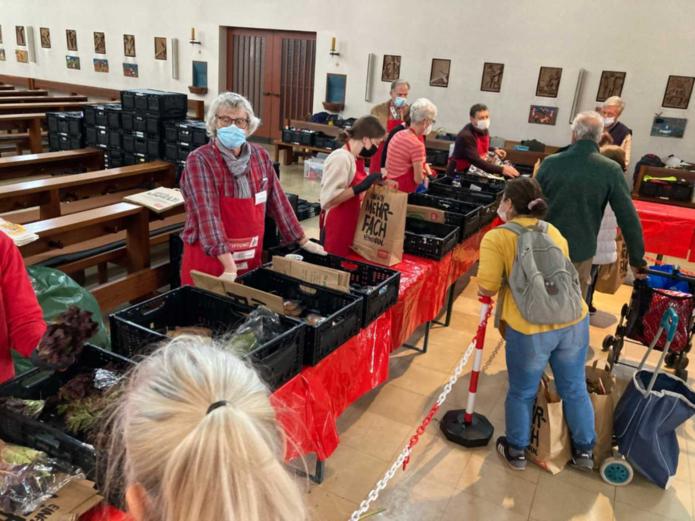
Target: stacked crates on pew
{"x": 97, "y": 131}
{"x": 65, "y": 130}
{"x": 181, "y": 138}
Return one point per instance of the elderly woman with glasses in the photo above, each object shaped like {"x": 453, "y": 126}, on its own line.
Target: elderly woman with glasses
{"x": 405, "y": 160}
{"x": 227, "y": 186}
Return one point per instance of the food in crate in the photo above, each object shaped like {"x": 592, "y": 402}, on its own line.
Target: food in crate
{"x": 29, "y": 477}
{"x": 295, "y": 309}
{"x": 261, "y": 326}
{"x": 64, "y": 339}
{"x": 28, "y": 408}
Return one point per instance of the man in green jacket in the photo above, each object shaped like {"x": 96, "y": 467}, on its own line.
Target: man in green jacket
{"x": 578, "y": 183}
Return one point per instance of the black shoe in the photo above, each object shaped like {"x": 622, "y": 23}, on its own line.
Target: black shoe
{"x": 583, "y": 460}
{"x": 592, "y": 310}
{"x": 514, "y": 462}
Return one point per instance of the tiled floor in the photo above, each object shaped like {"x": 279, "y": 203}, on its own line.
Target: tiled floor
{"x": 447, "y": 482}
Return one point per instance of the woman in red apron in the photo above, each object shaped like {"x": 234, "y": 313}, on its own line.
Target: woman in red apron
{"x": 228, "y": 185}
{"x": 343, "y": 182}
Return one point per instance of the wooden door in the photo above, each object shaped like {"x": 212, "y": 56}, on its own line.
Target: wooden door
{"x": 275, "y": 71}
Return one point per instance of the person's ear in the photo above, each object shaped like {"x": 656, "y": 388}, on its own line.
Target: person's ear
{"x": 136, "y": 500}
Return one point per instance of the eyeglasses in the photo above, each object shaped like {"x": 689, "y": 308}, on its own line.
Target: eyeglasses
{"x": 242, "y": 123}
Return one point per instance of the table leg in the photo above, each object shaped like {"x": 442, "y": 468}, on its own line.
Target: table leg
{"x": 35, "y": 144}
{"x": 449, "y": 307}
{"x": 318, "y": 475}
{"x": 426, "y": 340}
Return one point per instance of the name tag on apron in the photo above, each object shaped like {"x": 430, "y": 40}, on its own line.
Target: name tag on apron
{"x": 262, "y": 197}
{"x": 244, "y": 255}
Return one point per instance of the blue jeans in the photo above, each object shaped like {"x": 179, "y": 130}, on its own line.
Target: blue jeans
{"x": 527, "y": 356}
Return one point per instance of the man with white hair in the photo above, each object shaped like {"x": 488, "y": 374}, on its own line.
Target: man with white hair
{"x": 622, "y": 135}
{"x": 405, "y": 161}
{"x": 578, "y": 183}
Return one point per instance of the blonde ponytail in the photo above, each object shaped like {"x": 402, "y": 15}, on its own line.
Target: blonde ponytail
{"x": 224, "y": 464}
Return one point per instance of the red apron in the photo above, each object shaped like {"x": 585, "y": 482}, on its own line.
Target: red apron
{"x": 339, "y": 223}
{"x": 483, "y": 145}
{"x": 406, "y": 182}
{"x": 244, "y": 225}
{"x": 375, "y": 160}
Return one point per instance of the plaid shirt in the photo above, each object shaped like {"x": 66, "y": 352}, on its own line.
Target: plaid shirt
{"x": 203, "y": 183}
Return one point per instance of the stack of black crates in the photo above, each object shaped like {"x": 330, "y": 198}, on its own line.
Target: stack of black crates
{"x": 65, "y": 130}
{"x": 101, "y": 130}
{"x": 181, "y": 138}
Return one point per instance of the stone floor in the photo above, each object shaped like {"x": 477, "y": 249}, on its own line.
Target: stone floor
{"x": 445, "y": 481}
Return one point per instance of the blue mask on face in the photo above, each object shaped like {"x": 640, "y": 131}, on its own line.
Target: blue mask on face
{"x": 399, "y": 102}
{"x": 231, "y": 136}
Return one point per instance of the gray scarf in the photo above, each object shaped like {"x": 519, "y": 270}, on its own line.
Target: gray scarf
{"x": 239, "y": 167}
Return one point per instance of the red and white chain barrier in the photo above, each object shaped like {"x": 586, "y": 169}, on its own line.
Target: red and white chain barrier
{"x": 404, "y": 457}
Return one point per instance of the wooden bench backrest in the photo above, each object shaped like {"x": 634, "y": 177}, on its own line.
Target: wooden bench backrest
{"x": 35, "y": 164}
{"x": 329, "y": 130}
{"x": 23, "y": 93}
{"x": 39, "y": 99}
{"x": 60, "y": 106}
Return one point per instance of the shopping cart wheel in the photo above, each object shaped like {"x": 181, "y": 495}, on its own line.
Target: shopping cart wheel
{"x": 671, "y": 360}
{"x": 624, "y": 310}
{"x": 617, "y": 471}
{"x": 608, "y": 342}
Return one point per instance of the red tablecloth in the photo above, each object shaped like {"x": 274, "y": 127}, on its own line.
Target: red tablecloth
{"x": 668, "y": 230}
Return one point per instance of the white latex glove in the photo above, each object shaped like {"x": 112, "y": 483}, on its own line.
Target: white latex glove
{"x": 228, "y": 276}
{"x": 313, "y": 247}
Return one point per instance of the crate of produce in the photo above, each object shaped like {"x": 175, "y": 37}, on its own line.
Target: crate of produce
{"x": 457, "y": 213}
{"x": 50, "y": 431}
{"x": 192, "y": 131}
{"x": 136, "y": 330}
{"x": 376, "y": 285}
{"x": 332, "y": 317}
{"x": 430, "y": 240}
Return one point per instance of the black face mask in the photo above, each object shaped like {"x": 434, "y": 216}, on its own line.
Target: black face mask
{"x": 368, "y": 152}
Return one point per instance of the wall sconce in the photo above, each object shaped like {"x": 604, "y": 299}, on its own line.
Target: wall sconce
{"x": 193, "y": 40}
{"x": 333, "y": 52}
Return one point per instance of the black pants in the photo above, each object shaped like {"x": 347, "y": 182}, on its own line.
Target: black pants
{"x": 592, "y": 286}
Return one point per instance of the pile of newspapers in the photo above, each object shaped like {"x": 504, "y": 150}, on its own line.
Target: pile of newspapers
{"x": 18, "y": 233}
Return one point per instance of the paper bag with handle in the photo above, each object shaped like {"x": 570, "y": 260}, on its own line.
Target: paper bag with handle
{"x": 380, "y": 228}
{"x": 611, "y": 276}
{"x": 603, "y": 394}
{"x": 550, "y": 446}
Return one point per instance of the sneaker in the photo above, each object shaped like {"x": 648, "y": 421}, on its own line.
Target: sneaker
{"x": 516, "y": 462}
{"x": 583, "y": 460}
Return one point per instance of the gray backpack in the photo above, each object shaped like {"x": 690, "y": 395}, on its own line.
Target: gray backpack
{"x": 544, "y": 283}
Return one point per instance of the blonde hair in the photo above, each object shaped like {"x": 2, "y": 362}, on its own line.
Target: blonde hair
{"x": 195, "y": 461}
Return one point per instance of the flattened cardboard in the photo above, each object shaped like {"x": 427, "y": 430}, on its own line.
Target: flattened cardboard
{"x": 250, "y": 296}
{"x": 320, "y": 275}
{"x": 70, "y": 502}
{"x": 433, "y": 215}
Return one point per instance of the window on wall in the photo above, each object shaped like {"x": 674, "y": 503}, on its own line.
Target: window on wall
{"x": 335, "y": 88}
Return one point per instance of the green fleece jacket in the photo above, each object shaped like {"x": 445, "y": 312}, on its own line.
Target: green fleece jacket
{"x": 578, "y": 183}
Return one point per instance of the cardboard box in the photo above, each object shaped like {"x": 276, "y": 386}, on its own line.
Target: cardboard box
{"x": 433, "y": 215}
{"x": 68, "y": 504}
{"x": 245, "y": 294}
{"x": 321, "y": 276}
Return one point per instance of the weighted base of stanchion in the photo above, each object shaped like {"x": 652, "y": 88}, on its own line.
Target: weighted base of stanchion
{"x": 476, "y": 434}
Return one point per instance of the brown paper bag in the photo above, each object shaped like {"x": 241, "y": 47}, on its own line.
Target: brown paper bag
{"x": 550, "y": 446}
{"x": 611, "y": 276}
{"x": 601, "y": 385}
{"x": 380, "y": 228}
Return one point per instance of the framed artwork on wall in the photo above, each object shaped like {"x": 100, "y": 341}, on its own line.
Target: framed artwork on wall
{"x": 71, "y": 36}
{"x": 22, "y": 55}
{"x": 99, "y": 43}
{"x": 439, "y": 73}
{"x": 611, "y": 84}
{"x": 130, "y": 70}
{"x": 20, "y": 35}
{"x": 541, "y": 115}
{"x": 492, "y": 77}
{"x": 129, "y": 45}
{"x": 548, "y": 82}
{"x": 391, "y": 68}
{"x": 678, "y": 92}
{"x": 668, "y": 127}
{"x": 73, "y": 62}
{"x": 45, "y": 34}
{"x": 101, "y": 65}
{"x": 160, "y": 48}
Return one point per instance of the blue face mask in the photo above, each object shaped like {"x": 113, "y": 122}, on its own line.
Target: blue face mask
{"x": 399, "y": 102}
{"x": 231, "y": 136}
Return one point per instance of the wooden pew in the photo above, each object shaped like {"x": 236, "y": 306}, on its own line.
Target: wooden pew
{"x": 39, "y": 99}
{"x": 26, "y": 108}
{"x": 83, "y": 159}
{"x": 48, "y": 194}
{"x": 23, "y": 93}
{"x": 293, "y": 149}
{"x": 6, "y": 87}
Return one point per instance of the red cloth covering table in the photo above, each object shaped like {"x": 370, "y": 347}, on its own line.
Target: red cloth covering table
{"x": 668, "y": 230}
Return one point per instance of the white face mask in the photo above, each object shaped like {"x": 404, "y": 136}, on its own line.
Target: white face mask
{"x": 482, "y": 124}
{"x": 608, "y": 121}
{"x": 502, "y": 213}
{"x": 428, "y": 129}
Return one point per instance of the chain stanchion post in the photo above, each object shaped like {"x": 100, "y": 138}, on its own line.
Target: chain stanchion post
{"x": 465, "y": 426}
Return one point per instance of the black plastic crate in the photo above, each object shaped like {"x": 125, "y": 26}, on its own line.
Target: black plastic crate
{"x": 53, "y": 142}
{"x": 68, "y": 142}
{"x": 291, "y": 135}
{"x": 443, "y": 187}
{"x": 114, "y": 139}
{"x": 192, "y": 131}
{"x": 127, "y": 120}
{"x": 48, "y": 433}
{"x": 457, "y": 213}
{"x": 376, "y": 285}
{"x": 437, "y": 157}
{"x": 307, "y": 137}
{"x": 90, "y": 118}
{"x": 171, "y": 151}
{"x": 52, "y": 121}
{"x": 136, "y": 330}
{"x": 113, "y": 117}
{"x": 129, "y": 143}
{"x": 430, "y": 240}
{"x": 114, "y": 158}
{"x": 486, "y": 183}
{"x": 135, "y": 99}
{"x": 154, "y": 147}
{"x": 184, "y": 149}
{"x": 171, "y": 131}
{"x": 342, "y": 312}
{"x": 95, "y": 115}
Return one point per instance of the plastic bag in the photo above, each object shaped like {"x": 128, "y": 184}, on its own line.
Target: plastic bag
{"x": 261, "y": 326}
{"x": 28, "y": 477}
